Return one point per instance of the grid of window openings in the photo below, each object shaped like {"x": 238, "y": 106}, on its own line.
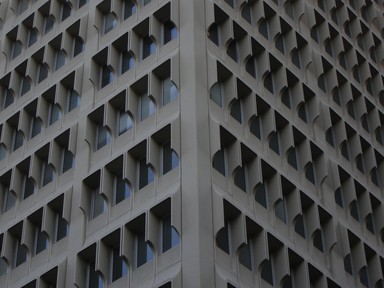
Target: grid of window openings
{"x": 103, "y": 76}
{"x": 90, "y": 143}
{"x": 297, "y": 110}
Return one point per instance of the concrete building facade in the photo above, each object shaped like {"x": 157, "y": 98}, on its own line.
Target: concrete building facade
{"x": 191, "y": 143}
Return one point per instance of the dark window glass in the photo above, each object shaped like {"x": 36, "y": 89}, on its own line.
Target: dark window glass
{"x": 8, "y": 98}
{"x": 170, "y": 159}
{"x": 103, "y": 137}
{"x": 246, "y": 13}
{"x": 146, "y": 175}
{"x": 219, "y": 162}
{"x": 48, "y": 173}
{"x": 25, "y": 85}
{"x": 232, "y": 50}
{"x": 222, "y": 239}
{"x": 68, "y": 160}
{"x": 170, "y": 92}
{"x": 236, "y": 110}
{"x": 170, "y": 238}
{"x": 110, "y": 22}
{"x": 170, "y": 31}
{"x": 18, "y": 140}
{"x": 119, "y": 266}
{"x": 106, "y": 75}
{"x": 144, "y": 251}
{"x": 62, "y": 227}
{"x": 32, "y": 37}
{"x": 49, "y": 22}
{"x": 266, "y": 272}
{"x": 261, "y": 195}
{"x": 129, "y": 8}
{"x": 29, "y": 187}
{"x": 73, "y": 100}
{"x": 245, "y": 255}
{"x": 66, "y": 11}
{"x": 78, "y": 46}
{"x": 216, "y": 94}
{"x": 127, "y": 62}
{"x": 149, "y": 47}
{"x": 122, "y": 188}
{"x": 124, "y": 122}
{"x": 43, "y": 72}
{"x": 21, "y": 254}
{"x": 240, "y": 178}
{"x": 36, "y": 127}
{"x": 41, "y": 240}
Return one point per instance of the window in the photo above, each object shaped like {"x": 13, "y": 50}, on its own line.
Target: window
{"x": 20, "y": 253}
{"x": 43, "y": 72}
{"x": 8, "y": 98}
{"x": 18, "y": 139}
{"x": 25, "y": 85}
{"x": 32, "y": 37}
{"x": 170, "y": 92}
{"x": 129, "y": 8}
{"x": 35, "y": 126}
{"x": 240, "y": 178}
{"x": 127, "y": 61}
{"x": 82, "y": 3}
{"x": 61, "y": 226}
{"x": 148, "y": 47}
{"x": 216, "y": 94}
{"x": 17, "y": 47}
{"x": 73, "y": 100}
{"x": 54, "y": 113}
{"x": 23, "y": 6}
{"x": 124, "y": 122}
{"x": 110, "y": 22}
{"x": 29, "y": 187}
{"x": 170, "y": 160}
{"x": 48, "y": 173}
{"x": 146, "y": 175}
{"x": 246, "y": 13}
{"x": 41, "y": 240}
{"x": 280, "y": 210}
{"x": 122, "y": 188}
{"x": 145, "y": 2}
{"x": 170, "y": 238}
{"x": 9, "y": 200}
{"x": 170, "y": 31}
{"x": 119, "y": 265}
{"x": 213, "y": 33}
{"x": 106, "y": 76}
{"x": 222, "y": 238}
{"x": 146, "y": 107}
{"x": 3, "y": 152}
{"x": 68, "y": 160}
{"x": 65, "y": 11}
{"x": 78, "y": 45}
{"x": 236, "y": 109}
{"x": 219, "y": 162}
{"x": 49, "y": 21}
{"x": 98, "y": 204}
{"x": 94, "y": 279}
{"x": 144, "y": 252}
{"x": 261, "y": 195}
{"x": 245, "y": 253}
{"x": 3, "y": 266}
{"x": 266, "y": 271}
{"x": 103, "y": 137}
{"x": 232, "y": 50}
{"x": 61, "y": 59}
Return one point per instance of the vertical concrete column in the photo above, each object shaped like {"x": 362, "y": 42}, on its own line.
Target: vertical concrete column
{"x": 197, "y": 235}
